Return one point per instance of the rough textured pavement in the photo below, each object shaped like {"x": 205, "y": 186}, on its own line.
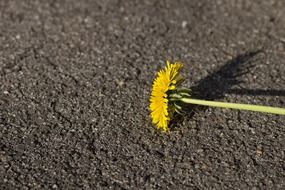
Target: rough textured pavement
{"x": 75, "y": 80}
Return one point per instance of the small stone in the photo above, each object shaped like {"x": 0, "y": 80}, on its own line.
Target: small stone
{"x": 54, "y": 186}
{"x": 204, "y": 166}
{"x": 184, "y": 24}
{"x": 258, "y": 152}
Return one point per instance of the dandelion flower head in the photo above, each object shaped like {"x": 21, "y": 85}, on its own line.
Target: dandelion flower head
{"x": 167, "y": 80}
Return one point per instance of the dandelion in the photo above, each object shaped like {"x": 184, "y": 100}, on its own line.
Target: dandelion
{"x": 166, "y": 82}
{"x": 167, "y": 94}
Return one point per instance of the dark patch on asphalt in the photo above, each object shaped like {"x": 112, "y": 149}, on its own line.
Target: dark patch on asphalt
{"x": 214, "y": 86}
{"x": 75, "y": 81}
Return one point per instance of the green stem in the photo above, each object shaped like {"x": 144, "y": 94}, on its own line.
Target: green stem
{"x": 266, "y": 109}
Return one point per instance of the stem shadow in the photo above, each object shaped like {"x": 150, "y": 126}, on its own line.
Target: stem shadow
{"x": 220, "y": 82}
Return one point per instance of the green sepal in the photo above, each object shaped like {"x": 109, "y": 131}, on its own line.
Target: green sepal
{"x": 177, "y": 108}
{"x": 178, "y": 111}
{"x": 175, "y": 96}
{"x": 184, "y": 90}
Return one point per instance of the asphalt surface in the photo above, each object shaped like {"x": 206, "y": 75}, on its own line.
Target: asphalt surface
{"x": 75, "y": 81}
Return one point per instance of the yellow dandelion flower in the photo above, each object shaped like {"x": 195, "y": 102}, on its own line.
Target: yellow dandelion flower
{"x": 167, "y": 80}
{"x": 167, "y": 94}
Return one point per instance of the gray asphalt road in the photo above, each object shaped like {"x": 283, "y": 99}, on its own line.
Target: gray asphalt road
{"x": 75, "y": 80}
